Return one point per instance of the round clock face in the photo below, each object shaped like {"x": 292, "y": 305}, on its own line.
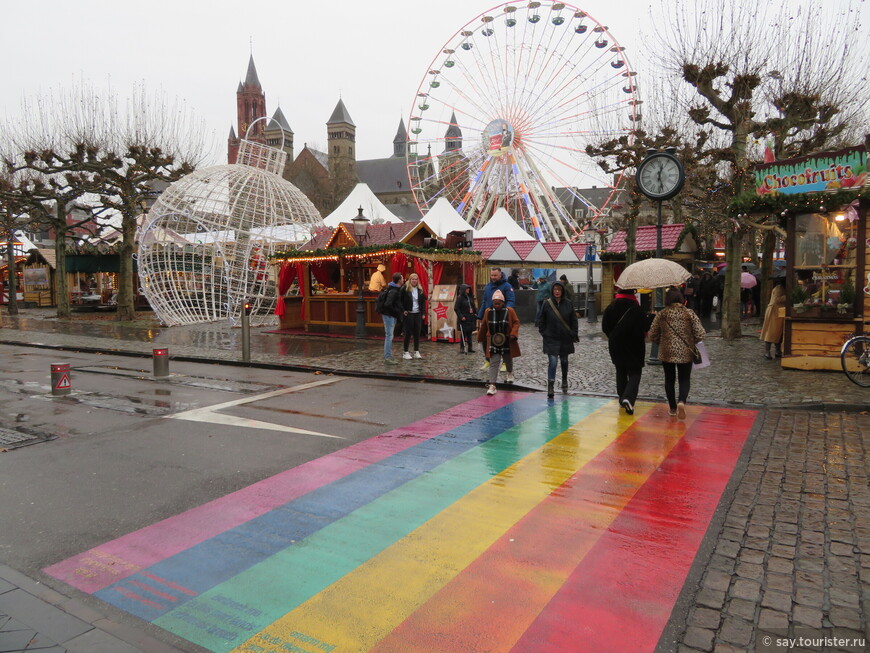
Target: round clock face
{"x": 660, "y": 176}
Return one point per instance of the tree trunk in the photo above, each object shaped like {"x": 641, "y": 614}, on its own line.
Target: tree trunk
{"x": 126, "y": 293}
{"x": 12, "y": 275}
{"x": 60, "y": 282}
{"x": 734, "y": 241}
{"x": 731, "y": 296}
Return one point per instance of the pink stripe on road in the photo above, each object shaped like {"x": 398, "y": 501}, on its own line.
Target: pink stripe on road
{"x": 103, "y": 565}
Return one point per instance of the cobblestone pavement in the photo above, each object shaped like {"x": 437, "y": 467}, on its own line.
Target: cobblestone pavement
{"x": 739, "y": 375}
{"x": 792, "y": 556}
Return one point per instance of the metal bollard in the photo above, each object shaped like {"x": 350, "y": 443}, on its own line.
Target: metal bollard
{"x": 60, "y": 380}
{"x": 161, "y": 362}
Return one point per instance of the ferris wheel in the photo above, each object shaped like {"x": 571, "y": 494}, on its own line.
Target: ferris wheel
{"x": 504, "y": 114}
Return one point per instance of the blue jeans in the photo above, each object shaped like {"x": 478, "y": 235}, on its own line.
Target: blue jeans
{"x": 389, "y": 329}
{"x": 554, "y": 360}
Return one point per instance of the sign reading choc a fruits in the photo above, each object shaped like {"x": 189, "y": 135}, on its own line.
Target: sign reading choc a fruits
{"x": 828, "y": 171}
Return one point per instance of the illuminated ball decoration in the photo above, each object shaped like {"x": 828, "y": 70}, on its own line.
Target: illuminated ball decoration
{"x": 204, "y": 246}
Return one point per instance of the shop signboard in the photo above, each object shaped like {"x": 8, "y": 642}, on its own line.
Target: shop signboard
{"x": 826, "y": 171}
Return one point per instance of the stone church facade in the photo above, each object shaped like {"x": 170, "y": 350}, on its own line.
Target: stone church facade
{"x": 328, "y": 177}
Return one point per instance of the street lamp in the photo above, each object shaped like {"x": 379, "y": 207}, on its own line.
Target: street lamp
{"x": 589, "y": 234}
{"x": 360, "y": 230}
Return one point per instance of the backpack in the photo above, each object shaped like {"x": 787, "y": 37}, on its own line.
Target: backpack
{"x": 381, "y": 301}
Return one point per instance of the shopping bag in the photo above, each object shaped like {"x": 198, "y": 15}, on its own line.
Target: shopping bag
{"x": 705, "y": 357}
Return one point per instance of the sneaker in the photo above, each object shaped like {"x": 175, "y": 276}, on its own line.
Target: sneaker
{"x": 503, "y": 368}
{"x": 629, "y": 409}
{"x": 407, "y": 355}
{"x": 509, "y": 378}
{"x": 672, "y": 412}
{"x": 390, "y": 361}
{"x": 417, "y": 354}
{"x": 485, "y": 365}
{"x": 490, "y": 390}
{"x": 681, "y": 410}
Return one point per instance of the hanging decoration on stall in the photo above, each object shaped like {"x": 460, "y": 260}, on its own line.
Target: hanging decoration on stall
{"x": 365, "y": 253}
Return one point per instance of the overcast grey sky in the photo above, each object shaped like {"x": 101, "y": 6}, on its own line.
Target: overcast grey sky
{"x": 374, "y": 54}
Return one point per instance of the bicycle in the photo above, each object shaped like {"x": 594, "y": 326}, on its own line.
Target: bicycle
{"x": 855, "y": 359}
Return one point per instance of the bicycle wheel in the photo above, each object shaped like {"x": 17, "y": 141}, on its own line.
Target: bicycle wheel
{"x": 855, "y": 359}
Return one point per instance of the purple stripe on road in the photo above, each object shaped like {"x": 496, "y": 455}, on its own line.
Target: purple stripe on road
{"x": 103, "y": 565}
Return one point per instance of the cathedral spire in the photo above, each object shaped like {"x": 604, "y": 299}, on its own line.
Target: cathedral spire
{"x": 401, "y": 140}
{"x": 453, "y": 135}
{"x": 251, "y": 78}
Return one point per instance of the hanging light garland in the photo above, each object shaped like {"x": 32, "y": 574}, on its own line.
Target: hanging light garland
{"x": 367, "y": 253}
{"x": 799, "y": 203}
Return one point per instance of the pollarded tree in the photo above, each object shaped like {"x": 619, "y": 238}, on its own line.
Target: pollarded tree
{"x": 757, "y": 69}
{"x": 116, "y": 154}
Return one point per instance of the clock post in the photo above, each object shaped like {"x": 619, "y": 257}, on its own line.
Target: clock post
{"x": 660, "y": 176}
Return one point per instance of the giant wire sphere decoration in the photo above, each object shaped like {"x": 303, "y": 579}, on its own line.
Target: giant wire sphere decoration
{"x": 506, "y": 109}
{"x": 204, "y": 246}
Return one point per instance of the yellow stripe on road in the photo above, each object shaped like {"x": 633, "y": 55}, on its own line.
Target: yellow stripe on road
{"x": 363, "y": 607}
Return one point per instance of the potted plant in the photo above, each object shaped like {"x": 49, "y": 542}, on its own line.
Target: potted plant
{"x": 847, "y": 297}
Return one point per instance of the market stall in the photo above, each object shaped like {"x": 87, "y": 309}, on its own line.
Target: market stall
{"x": 821, "y": 200}
{"x": 324, "y": 285}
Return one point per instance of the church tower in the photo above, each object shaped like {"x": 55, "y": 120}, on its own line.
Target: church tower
{"x": 341, "y": 144}
{"x": 250, "y": 105}
{"x": 277, "y": 130}
{"x": 400, "y": 142}
{"x": 450, "y": 168}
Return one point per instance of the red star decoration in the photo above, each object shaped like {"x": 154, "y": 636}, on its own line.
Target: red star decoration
{"x": 441, "y": 311}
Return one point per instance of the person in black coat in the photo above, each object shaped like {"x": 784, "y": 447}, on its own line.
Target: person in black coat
{"x": 558, "y": 326}
{"x": 413, "y": 301}
{"x": 625, "y": 324}
{"x": 466, "y": 316}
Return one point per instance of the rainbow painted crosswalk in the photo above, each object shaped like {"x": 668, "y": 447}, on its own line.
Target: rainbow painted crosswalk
{"x": 508, "y": 523}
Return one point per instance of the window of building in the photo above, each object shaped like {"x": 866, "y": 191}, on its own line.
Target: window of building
{"x": 825, "y": 261}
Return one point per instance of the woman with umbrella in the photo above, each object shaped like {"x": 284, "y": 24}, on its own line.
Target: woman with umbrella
{"x": 677, "y": 330}
{"x": 625, "y": 324}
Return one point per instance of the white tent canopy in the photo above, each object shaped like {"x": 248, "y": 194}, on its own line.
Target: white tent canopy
{"x": 360, "y": 196}
{"x": 502, "y": 224}
{"x": 442, "y": 218}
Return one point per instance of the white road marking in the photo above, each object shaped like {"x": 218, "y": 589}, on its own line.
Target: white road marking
{"x": 210, "y": 413}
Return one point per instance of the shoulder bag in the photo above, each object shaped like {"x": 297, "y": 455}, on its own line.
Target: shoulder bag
{"x": 574, "y": 336}
{"x": 696, "y": 354}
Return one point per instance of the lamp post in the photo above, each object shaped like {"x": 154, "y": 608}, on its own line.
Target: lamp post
{"x": 360, "y": 230}
{"x": 589, "y": 234}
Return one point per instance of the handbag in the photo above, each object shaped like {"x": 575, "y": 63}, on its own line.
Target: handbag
{"x": 574, "y": 336}
{"x": 696, "y": 354}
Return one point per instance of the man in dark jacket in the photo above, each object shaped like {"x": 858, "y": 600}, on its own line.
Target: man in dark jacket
{"x": 497, "y": 281}
{"x": 392, "y": 310}
{"x": 625, "y": 324}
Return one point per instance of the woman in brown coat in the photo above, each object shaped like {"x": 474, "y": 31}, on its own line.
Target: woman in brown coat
{"x": 771, "y": 331}
{"x": 499, "y": 333}
{"x": 677, "y": 330}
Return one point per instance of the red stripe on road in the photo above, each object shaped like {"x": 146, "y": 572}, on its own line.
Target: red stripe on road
{"x": 535, "y": 557}
{"x": 621, "y": 596}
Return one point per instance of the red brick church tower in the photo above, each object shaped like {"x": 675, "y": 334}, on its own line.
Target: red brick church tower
{"x": 250, "y": 105}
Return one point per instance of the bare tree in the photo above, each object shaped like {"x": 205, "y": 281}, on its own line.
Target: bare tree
{"x": 756, "y": 69}
{"x": 113, "y": 152}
